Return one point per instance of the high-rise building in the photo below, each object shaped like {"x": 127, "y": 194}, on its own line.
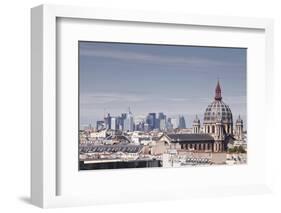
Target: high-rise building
{"x": 140, "y": 126}
{"x": 182, "y": 124}
{"x": 161, "y": 115}
{"x": 107, "y": 121}
{"x": 157, "y": 123}
{"x": 113, "y": 123}
{"x": 122, "y": 121}
{"x": 151, "y": 120}
{"x": 162, "y": 124}
{"x": 161, "y": 121}
{"x": 175, "y": 123}
{"x": 119, "y": 123}
{"x": 146, "y": 127}
{"x": 169, "y": 125}
{"x": 129, "y": 122}
{"x": 100, "y": 125}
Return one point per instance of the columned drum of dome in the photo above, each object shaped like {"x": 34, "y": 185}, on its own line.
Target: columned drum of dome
{"x": 216, "y": 113}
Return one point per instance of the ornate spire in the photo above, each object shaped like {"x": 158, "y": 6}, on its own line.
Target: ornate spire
{"x": 239, "y": 120}
{"x": 218, "y": 92}
{"x": 196, "y": 120}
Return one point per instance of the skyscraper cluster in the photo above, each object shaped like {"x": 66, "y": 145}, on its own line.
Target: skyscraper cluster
{"x": 153, "y": 121}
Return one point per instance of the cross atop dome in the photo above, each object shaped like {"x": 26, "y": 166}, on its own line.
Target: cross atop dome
{"x": 218, "y": 92}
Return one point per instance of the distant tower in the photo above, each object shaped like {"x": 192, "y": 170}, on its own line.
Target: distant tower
{"x": 107, "y": 121}
{"x": 239, "y": 128}
{"x": 113, "y": 123}
{"x": 151, "y": 120}
{"x": 129, "y": 121}
{"x": 196, "y": 125}
{"x": 182, "y": 124}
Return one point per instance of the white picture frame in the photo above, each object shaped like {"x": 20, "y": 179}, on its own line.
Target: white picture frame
{"x": 44, "y": 149}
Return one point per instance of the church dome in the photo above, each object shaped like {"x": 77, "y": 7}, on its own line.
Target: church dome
{"x": 218, "y": 110}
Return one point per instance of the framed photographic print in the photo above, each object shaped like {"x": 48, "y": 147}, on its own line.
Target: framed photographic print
{"x": 148, "y": 115}
{"x": 148, "y": 105}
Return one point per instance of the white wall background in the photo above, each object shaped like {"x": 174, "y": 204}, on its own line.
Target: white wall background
{"x": 15, "y": 103}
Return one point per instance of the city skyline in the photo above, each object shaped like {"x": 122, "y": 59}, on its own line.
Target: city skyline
{"x": 148, "y": 122}
{"x": 176, "y": 80}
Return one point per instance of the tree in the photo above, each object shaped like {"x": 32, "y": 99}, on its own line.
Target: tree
{"x": 237, "y": 149}
{"x": 241, "y": 149}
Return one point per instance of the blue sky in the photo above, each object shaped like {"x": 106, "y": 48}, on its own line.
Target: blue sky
{"x": 176, "y": 80}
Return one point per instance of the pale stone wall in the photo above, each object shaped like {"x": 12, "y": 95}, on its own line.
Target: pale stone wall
{"x": 218, "y": 158}
{"x": 160, "y": 147}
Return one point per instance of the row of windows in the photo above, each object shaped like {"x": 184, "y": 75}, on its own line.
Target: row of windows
{"x": 201, "y": 146}
{"x": 197, "y": 146}
{"x": 211, "y": 129}
{"x": 207, "y": 118}
{"x": 223, "y": 114}
{"x": 216, "y": 108}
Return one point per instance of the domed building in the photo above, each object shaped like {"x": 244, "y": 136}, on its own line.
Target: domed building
{"x": 218, "y": 111}
{"x": 218, "y": 121}
{"x": 216, "y": 133}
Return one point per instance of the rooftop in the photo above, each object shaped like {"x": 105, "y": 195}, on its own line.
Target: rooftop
{"x": 90, "y": 148}
{"x": 190, "y": 137}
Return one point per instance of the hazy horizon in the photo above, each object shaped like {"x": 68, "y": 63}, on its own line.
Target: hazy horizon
{"x": 175, "y": 80}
